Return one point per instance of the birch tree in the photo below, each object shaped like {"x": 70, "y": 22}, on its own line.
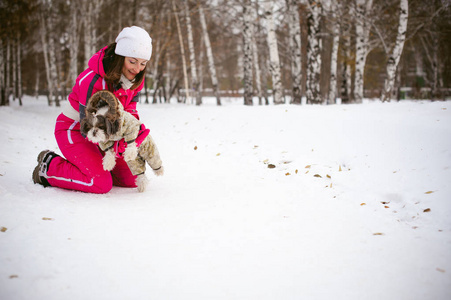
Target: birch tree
{"x": 74, "y": 40}
{"x": 182, "y": 50}
{"x": 48, "y": 46}
{"x": 335, "y": 7}
{"x": 90, "y": 19}
{"x": 19, "y": 69}
{"x": 295, "y": 50}
{"x": 2, "y": 76}
{"x": 247, "y": 52}
{"x": 395, "y": 55}
{"x": 346, "y": 70}
{"x": 274, "y": 64}
{"x": 209, "y": 52}
{"x": 192, "y": 56}
{"x": 362, "y": 29}
{"x": 314, "y": 53}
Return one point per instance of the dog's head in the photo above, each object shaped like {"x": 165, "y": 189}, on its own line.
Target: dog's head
{"x": 102, "y": 117}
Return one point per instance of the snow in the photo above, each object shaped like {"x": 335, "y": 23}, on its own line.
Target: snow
{"x": 220, "y": 224}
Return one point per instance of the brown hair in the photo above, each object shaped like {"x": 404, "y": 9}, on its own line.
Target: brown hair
{"x": 112, "y": 65}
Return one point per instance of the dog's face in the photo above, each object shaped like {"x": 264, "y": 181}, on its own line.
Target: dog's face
{"x": 102, "y": 117}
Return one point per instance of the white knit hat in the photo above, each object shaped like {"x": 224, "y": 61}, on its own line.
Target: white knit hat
{"x": 134, "y": 42}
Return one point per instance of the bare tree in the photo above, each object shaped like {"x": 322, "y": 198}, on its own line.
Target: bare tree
{"x": 362, "y": 28}
{"x": 274, "y": 65}
{"x": 295, "y": 50}
{"x": 192, "y": 56}
{"x": 314, "y": 53}
{"x": 210, "y": 57}
{"x": 74, "y": 40}
{"x": 182, "y": 50}
{"x": 395, "y": 55}
{"x": 335, "y": 9}
{"x": 247, "y": 52}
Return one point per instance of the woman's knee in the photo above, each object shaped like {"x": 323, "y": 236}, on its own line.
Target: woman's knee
{"x": 103, "y": 183}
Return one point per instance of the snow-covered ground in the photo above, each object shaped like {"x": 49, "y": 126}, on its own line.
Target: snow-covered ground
{"x": 357, "y": 206}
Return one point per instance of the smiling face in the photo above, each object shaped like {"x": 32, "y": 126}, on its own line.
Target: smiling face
{"x": 132, "y": 66}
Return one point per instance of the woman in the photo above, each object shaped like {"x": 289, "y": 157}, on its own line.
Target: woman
{"x": 120, "y": 68}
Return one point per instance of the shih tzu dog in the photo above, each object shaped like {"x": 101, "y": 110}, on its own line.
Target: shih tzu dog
{"x": 106, "y": 122}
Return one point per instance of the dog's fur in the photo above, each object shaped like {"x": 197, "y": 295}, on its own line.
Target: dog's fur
{"x": 106, "y": 121}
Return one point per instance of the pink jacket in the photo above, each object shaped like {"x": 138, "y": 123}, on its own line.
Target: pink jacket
{"x": 92, "y": 80}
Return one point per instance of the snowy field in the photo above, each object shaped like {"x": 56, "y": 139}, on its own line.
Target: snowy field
{"x": 357, "y": 205}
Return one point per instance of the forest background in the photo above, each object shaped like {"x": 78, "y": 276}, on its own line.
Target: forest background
{"x": 292, "y": 51}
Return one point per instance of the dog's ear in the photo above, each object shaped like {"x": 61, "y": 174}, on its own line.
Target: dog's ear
{"x": 112, "y": 125}
{"x": 85, "y": 126}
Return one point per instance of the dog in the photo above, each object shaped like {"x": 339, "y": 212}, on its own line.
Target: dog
{"x": 106, "y": 122}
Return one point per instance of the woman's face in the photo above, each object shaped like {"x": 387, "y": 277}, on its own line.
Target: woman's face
{"x": 132, "y": 66}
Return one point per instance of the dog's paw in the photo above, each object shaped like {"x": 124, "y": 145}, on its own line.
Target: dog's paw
{"x": 109, "y": 161}
{"x": 141, "y": 182}
{"x": 159, "y": 172}
{"x": 130, "y": 152}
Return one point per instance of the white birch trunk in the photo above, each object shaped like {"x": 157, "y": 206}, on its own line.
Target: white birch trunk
{"x": 258, "y": 82}
{"x": 43, "y": 33}
{"x": 52, "y": 63}
{"x": 2, "y": 76}
{"x": 192, "y": 56}
{"x": 314, "y": 54}
{"x": 87, "y": 32}
{"x": 295, "y": 50}
{"x": 19, "y": 69}
{"x": 395, "y": 55}
{"x": 274, "y": 66}
{"x": 182, "y": 51}
{"x": 73, "y": 41}
{"x": 334, "y": 64}
{"x": 346, "y": 82}
{"x": 362, "y": 29}
{"x": 210, "y": 58}
{"x": 8, "y": 71}
{"x": 37, "y": 73}
{"x": 247, "y": 53}
{"x": 14, "y": 69}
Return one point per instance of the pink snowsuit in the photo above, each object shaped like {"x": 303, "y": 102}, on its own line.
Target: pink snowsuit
{"x": 82, "y": 168}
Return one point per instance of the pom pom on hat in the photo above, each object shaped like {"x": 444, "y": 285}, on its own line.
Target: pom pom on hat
{"x": 134, "y": 42}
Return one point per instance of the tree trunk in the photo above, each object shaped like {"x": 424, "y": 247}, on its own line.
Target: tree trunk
{"x": 19, "y": 70}
{"x": 192, "y": 56}
{"x": 2, "y": 76}
{"x": 334, "y": 54}
{"x": 52, "y": 63}
{"x": 182, "y": 50}
{"x": 274, "y": 66}
{"x": 247, "y": 53}
{"x": 45, "y": 52}
{"x": 295, "y": 50}
{"x": 210, "y": 58}
{"x": 73, "y": 41}
{"x": 256, "y": 63}
{"x": 346, "y": 83}
{"x": 362, "y": 29}
{"x": 314, "y": 54}
{"x": 395, "y": 55}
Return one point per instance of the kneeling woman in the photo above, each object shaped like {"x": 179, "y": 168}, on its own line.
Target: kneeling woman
{"x": 119, "y": 68}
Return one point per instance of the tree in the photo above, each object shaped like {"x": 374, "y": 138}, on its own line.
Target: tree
{"x": 192, "y": 55}
{"x": 314, "y": 53}
{"x": 274, "y": 64}
{"x": 395, "y": 54}
{"x": 295, "y": 50}
{"x": 182, "y": 50}
{"x": 362, "y": 28}
{"x": 247, "y": 52}
{"x": 210, "y": 58}
{"x": 335, "y": 9}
